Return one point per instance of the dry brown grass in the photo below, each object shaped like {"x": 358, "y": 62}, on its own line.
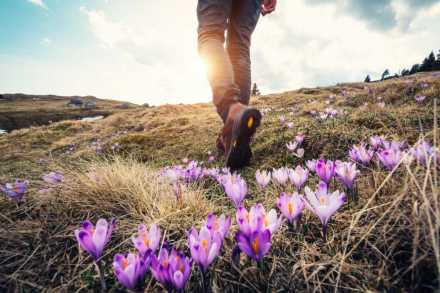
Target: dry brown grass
{"x": 386, "y": 241}
{"x": 37, "y": 235}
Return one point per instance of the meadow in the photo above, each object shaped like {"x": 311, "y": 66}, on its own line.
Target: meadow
{"x": 159, "y": 166}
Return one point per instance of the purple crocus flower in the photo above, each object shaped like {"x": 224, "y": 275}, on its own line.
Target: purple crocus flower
{"x": 93, "y": 239}
{"x": 331, "y": 112}
{"x": 311, "y": 165}
{"x": 204, "y": 246}
{"x": 299, "y": 153}
{"x": 282, "y": 119}
{"x": 419, "y": 98}
{"x": 422, "y": 151}
{"x": 393, "y": 144}
{"x": 256, "y": 230}
{"x": 361, "y": 154}
{"x": 235, "y": 188}
{"x": 130, "y": 269}
{"x": 289, "y": 125}
{"x": 171, "y": 269}
{"x": 323, "y": 116}
{"x": 390, "y": 157}
{"x": 299, "y": 138}
{"x": 376, "y": 141}
{"x": 15, "y": 191}
{"x": 220, "y": 224}
{"x": 298, "y": 177}
{"x": 193, "y": 172}
{"x": 256, "y": 245}
{"x": 325, "y": 170}
{"x": 280, "y": 176}
{"x": 53, "y": 178}
{"x": 212, "y": 172}
{"x": 173, "y": 174}
{"x": 263, "y": 178}
{"x": 323, "y": 204}
{"x": 346, "y": 173}
{"x": 248, "y": 221}
{"x": 291, "y": 206}
{"x": 146, "y": 241}
{"x": 291, "y": 146}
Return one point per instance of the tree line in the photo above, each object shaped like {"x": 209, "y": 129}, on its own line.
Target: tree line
{"x": 430, "y": 63}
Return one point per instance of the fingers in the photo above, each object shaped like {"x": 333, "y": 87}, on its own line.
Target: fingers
{"x": 268, "y": 6}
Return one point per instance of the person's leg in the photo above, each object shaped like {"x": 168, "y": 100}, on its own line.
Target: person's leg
{"x": 244, "y": 18}
{"x": 213, "y": 18}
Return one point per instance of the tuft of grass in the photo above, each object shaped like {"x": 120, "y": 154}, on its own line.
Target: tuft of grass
{"x": 42, "y": 227}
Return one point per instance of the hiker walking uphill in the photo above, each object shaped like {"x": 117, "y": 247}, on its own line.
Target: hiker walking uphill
{"x": 229, "y": 69}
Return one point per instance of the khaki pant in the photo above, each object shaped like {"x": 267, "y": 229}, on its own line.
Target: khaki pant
{"x": 229, "y": 67}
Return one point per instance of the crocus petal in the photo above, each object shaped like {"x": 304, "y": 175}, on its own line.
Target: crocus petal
{"x": 178, "y": 280}
{"x": 123, "y": 277}
{"x": 86, "y": 242}
{"x": 100, "y": 235}
{"x": 87, "y": 225}
{"x": 244, "y": 245}
{"x": 213, "y": 252}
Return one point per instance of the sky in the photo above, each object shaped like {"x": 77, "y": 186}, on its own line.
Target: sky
{"x": 145, "y": 51}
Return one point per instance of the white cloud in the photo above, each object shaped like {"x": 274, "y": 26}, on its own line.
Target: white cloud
{"x": 46, "y": 41}
{"x": 38, "y": 3}
{"x": 304, "y": 45}
{"x": 299, "y": 45}
{"x": 148, "y": 50}
{"x": 163, "y": 54}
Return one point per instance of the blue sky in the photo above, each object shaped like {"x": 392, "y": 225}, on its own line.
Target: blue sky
{"x": 145, "y": 51}
{"x": 24, "y": 25}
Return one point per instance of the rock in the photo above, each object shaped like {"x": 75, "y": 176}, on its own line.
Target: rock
{"x": 90, "y": 105}
{"x": 124, "y": 106}
{"x": 76, "y": 101}
{"x": 139, "y": 128}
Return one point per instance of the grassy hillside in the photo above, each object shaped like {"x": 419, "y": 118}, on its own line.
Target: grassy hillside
{"x": 388, "y": 240}
{"x": 22, "y": 111}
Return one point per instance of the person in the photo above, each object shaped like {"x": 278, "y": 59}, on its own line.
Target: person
{"x": 229, "y": 69}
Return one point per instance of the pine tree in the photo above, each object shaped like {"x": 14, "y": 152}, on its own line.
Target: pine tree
{"x": 432, "y": 61}
{"x": 428, "y": 63}
{"x": 385, "y": 74}
{"x": 368, "y": 78}
{"x": 255, "y": 90}
{"x": 437, "y": 62}
{"x": 405, "y": 72}
{"x": 414, "y": 69}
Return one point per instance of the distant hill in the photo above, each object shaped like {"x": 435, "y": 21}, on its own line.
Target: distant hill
{"x": 22, "y": 110}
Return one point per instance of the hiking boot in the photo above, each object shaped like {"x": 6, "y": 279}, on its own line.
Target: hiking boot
{"x": 219, "y": 143}
{"x": 240, "y": 126}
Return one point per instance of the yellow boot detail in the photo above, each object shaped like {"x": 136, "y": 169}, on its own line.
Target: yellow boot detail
{"x": 250, "y": 122}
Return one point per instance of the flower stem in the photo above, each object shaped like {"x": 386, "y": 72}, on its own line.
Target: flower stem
{"x": 356, "y": 192}
{"x": 205, "y": 280}
{"x": 260, "y": 265}
{"x": 100, "y": 272}
{"x": 324, "y": 233}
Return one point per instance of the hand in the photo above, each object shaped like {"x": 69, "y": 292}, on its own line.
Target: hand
{"x": 268, "y": 6}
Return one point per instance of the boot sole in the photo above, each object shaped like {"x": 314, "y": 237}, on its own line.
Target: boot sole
{"x": 242, "y": 131}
